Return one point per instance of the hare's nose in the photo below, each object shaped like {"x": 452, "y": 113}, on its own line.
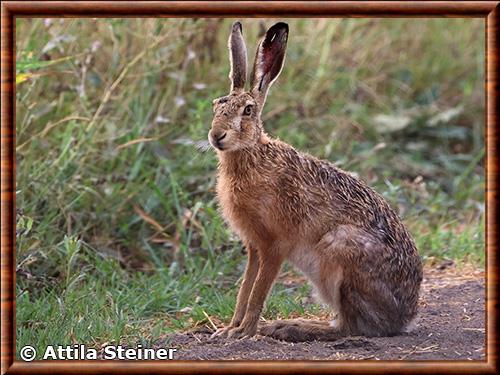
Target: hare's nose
{"x": 220, "y": 137}
{"x": 216, "y": 138}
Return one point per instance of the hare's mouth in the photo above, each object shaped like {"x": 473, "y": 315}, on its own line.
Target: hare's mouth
{"x": 219, "y": 147}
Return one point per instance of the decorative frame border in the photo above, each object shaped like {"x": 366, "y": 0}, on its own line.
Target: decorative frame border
{"x": 488, "y": 10}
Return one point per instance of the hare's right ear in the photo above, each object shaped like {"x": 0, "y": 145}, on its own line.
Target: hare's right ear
{"x": 269, "y": 60}
{"x": 237, "y": 57}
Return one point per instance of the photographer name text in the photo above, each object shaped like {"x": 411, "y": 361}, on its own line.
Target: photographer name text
{"x": 110, "y": 352}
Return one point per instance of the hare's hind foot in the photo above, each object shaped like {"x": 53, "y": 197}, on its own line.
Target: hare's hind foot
{"x": 297, "y": 330}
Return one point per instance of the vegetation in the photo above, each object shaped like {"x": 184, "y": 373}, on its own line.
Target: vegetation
{"x": 118, "y": 234}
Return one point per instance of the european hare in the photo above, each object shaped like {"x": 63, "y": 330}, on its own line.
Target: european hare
{"x": 287, "y": 205}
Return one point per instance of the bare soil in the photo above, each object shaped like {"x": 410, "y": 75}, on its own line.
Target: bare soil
{"x": 451, "y": 326}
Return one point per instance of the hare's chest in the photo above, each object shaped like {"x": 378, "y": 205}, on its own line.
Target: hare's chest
{"x": 246, "y": 208}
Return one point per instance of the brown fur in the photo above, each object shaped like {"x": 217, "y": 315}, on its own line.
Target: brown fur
{"x": 287, "y": 205}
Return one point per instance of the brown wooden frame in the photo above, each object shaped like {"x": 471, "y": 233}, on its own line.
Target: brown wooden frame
{"x": 489, "y": 10}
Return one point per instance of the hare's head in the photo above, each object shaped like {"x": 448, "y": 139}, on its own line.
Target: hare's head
{"x": 237, "y": 124}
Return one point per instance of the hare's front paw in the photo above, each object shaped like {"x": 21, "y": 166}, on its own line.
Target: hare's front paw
{"x": 222, "y": 332}
{"x": 243, "y": 331}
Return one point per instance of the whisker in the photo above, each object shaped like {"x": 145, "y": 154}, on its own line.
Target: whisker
{"x": 202, "y": 146}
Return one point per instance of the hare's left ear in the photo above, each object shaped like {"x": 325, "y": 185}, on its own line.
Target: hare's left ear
{"x": 237, "y": 57}
{"x": 269, "y": 60}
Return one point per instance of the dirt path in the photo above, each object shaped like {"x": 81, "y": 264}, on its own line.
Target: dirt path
{"x": 451, "y": 326}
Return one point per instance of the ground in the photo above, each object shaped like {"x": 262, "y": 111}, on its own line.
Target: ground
{"x": 451, "y": 326}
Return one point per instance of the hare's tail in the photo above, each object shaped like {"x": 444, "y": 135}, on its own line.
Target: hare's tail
{"x": 297, "y": 330}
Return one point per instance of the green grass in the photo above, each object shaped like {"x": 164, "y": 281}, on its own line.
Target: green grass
{"x": 105, "y": 303}
{"x": 118, "y": 234}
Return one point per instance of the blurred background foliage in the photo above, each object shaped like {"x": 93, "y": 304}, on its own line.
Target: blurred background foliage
{"x": 115, "y": 187}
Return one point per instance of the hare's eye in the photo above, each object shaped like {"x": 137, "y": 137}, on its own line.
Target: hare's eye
{"x": 248, "y": 110}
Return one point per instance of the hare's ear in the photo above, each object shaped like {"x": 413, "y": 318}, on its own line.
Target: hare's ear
{"x": 237, "y": 57}
{"x": 269, "y": 60}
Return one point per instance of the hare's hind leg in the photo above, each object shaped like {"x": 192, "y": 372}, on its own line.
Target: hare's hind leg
{"x": 327, "y": 277}
{"x": 297, "y": 330}
{"x": 327, "y": 283}
{"x": 351, "y": 281}
{"x": 366, "y": 298}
